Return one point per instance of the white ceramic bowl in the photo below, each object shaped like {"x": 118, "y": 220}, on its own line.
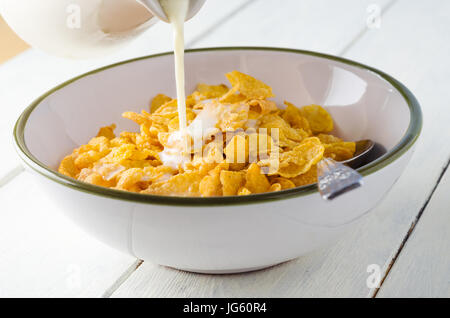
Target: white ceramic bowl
{"x": 230, "y": 234}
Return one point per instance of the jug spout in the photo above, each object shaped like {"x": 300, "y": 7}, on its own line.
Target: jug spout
{"x": 77, "y": 28}
{"x": 156, "y": 7}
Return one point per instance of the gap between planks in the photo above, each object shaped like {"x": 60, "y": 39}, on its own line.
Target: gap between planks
{"x": 411, "y": 230}
{"x": 122, "y": 278}
{"x": 11, "y": 175}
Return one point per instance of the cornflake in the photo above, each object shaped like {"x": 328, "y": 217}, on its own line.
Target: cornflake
{"x": 243, "y": 133}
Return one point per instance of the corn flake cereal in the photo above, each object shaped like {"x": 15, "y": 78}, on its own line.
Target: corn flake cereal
{"x": 248, "y": 86}
{"x": 300, "y": 159}
{"x": 158, "y": 101}
{"x": 232, "y": 181}
{"x": 242, "y": 133}
{"x": 212, "y": 91}
{"x": 256, "y": 182}
{"x": 319, "y": 119}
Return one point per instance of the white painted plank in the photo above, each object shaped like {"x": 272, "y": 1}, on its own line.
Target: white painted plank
{"x": 405, "y": 46}
{"x": 413, "y": 47}
{"x": 324, "y": 26}
{"x": 423, "y": 267}
{"x": 32, "y": 73}
{"x": 42, "y": 254}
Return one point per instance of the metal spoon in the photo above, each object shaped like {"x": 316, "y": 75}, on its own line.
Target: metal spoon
{"x": 336, "y": 178}
{"x": 155, "y": 7}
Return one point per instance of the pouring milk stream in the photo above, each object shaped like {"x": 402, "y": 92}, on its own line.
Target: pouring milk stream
{"x": 100, "y": 26}
{"x": 176, "y": 12}
{"x": 91, "y": 28}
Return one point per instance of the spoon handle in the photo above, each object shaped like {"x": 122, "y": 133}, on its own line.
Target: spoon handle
{"x": 335, "y": 179}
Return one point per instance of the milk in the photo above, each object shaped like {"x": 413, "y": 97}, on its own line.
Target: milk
{"x": 176, "y": 11}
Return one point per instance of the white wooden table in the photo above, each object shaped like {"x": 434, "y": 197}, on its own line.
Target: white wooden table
{"x": 407, "y": 236}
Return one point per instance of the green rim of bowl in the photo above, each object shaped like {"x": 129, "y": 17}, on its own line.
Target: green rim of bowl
{"x": 410, "y": 137}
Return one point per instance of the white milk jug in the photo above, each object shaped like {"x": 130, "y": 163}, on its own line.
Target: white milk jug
{"x": 83, "y": 28}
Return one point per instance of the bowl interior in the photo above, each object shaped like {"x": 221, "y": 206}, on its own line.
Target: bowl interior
{"x": 362, "y": 103}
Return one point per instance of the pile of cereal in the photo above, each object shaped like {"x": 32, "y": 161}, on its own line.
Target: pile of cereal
{"x": 249, "y": 145}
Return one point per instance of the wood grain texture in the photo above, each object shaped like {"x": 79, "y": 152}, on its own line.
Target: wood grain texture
{"x": 405, "y": 48}
{"x": 423, "y": 268}
{"x": 33, "y": 72}
{"x": 42, "y": 254}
